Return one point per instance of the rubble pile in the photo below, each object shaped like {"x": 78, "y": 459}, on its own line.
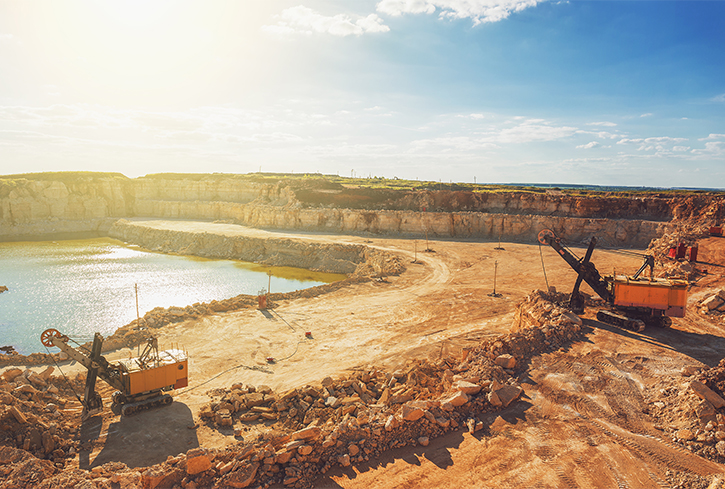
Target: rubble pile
{"x": 308, "y": 430}
{"x": 713, "y": 303}
{"x": 350, "y": 420}
{"x": 691, "y": 412}
{"x": 692, "y": 222}
{"x": 36, "y": 415}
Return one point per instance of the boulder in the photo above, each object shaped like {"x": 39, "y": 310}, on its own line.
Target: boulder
{"x": 254, "y": 399}
{"x": 689, "y": 370}
{"x": 458, "y": 399}
{"x": 11, "y": 374}
{"x": 570, "y": 316}
{"x": 713, "y": 302}
{"x": 36, "y": 379}
{"x": 684, "y": 435}
{"x": 391, "y": 423}
{"x": 385, "y": 396}
{"x": 223, "y": 418}
{"x": 311, "y": 433}
{"x": 443, "y": 422}
{"x": 197, "y": 461}
{"x": 45, "y": 374}
{"x": 353, "y": 449}
{"x": 504, "y": 395}
{"x": 152, "y": 477}
{"x": 19, "y": 417}
{"x": 467, "y": 387}
{"x": 720, "y": 447}
{"x": 304, "y": 450}
{"x": 283, "y": 456}
{"x": 226, "y": 468}
{"x": 704, "y": 392}
{"x": 506, "y": 361}
{"x": 240, "y": 478}
{"x": 411, "y": 413}
{"x": 423, "y": 441}
{"x": 705, "y": 411}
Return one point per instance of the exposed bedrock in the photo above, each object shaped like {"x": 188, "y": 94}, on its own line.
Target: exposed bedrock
{"x": 58, "y": 204}
{"x": 517, "y": 227}
{"x": 334, "y": 258}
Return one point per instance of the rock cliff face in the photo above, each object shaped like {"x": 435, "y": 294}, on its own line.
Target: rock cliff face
{"x": 82, "y": 204}
{"x": 338, "y": 258}
{"x": 91, "y": 203}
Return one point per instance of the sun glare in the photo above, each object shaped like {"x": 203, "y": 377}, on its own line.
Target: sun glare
{"x": 132, "y": 48}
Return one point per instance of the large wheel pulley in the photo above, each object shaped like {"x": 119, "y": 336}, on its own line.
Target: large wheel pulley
{"x": 546, "y": 235}
{"x": 47, "y": 336}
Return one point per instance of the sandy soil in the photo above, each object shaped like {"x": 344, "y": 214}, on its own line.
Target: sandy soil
{"x": 583, "y": 422}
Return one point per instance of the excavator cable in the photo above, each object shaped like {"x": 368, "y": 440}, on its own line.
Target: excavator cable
{"x": 247, "y": 367}
{"x": 63, "y": 374}
{"x": 541, "y": 253}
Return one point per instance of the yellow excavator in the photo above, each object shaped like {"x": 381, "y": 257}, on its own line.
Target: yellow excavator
{"x": 141, "y": 381}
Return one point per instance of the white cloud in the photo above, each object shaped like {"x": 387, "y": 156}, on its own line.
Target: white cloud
{"x": 719, "y": 98}
{"x": 653, "y": 140}
{"x": 715, "y": 148}
{"x": 605, "y": 124}
{"x": 648, "y": 114}
{"x": 713, "y": 136}
{"x": 590, "y": 145}
{"x": 480, "y": 11}
{"x": 452, "y": 143}
{"x": 534, "y": 130}
{"x": 304, "y": 20}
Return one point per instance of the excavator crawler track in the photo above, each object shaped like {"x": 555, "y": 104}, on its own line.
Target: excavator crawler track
{"x": 620, "y": 321}
{"x": 132, "y": 408}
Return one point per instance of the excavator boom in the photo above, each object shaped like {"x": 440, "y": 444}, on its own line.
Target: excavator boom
{"x": 584, "y": 267}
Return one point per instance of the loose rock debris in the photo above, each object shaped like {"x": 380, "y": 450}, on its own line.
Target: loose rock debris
{"x": 341, "y": 422}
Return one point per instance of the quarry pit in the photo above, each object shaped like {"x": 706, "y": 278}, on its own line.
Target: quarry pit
{"x": 414, "y": 373}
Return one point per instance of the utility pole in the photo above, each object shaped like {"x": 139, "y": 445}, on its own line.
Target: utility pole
{"x": 495, "y": 273}
{"x": 499, "y": 237}
{"x": 138, "y": 318}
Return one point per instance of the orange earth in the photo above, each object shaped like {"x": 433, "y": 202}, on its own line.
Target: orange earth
{"x": 586, "y": 417}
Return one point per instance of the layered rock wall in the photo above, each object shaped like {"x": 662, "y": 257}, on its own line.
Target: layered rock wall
{"x": 334, "y": 258}
{"x": 92, "y": 203}
{"x": 80, "y": 205}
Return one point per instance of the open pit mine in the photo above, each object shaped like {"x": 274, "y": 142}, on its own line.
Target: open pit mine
{"x": 454, "y": 354}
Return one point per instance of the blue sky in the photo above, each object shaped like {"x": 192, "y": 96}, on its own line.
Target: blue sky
{"x": 527, "y": 91}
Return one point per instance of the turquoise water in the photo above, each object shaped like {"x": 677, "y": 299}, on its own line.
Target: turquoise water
{"x": 82, "y": 286}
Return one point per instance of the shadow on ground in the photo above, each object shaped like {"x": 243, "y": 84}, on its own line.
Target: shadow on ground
{"x": 141, "y": 440}
{"x": 703, "y": 347}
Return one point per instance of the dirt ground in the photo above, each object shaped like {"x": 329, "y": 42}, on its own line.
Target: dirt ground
{"x": 584, "y": 420}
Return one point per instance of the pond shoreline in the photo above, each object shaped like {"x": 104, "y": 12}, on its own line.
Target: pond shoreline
{"x": 222, "y": 241}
